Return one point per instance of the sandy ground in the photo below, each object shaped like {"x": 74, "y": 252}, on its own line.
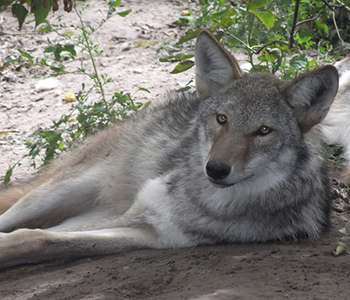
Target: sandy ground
{"x": 305, "y": 270}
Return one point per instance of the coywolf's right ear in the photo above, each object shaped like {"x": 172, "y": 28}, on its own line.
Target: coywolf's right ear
{"x": 215, "y": 67}
{"x": 311, "y": 94}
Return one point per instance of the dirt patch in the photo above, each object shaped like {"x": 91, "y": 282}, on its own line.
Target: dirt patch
{"x": 260, "y": 271}
{"x": 305, "y": 270}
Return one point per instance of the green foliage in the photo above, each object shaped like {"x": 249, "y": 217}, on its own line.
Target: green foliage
{"x": 42, "y": 8}
{"x": 184, "y": 64}
{"x": 41, "y": 11}
{"x": 266, "y": 31}
{"x": 266, "y": 17}
{"x": 20, "y": 12}
{"x": 334, "y": 155}
{"x": 66, "y": 132}
{"x": 85, "y": 117}
{"x": 58, "y": 49}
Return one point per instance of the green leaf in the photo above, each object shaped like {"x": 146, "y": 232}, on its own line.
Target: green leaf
{"x": 189, "y": 35}
{"x": 115, "y": 3}
{"x": 20, "y": 12}
{"x": 312, "y": 63}
{"x": 25, "y": 54}
{"x": 6, "y": 2}
{"x": 266, "y": 17}
{"x": 70, "y": 48}
{"x": 58, "y": 49}
{"x": 256, "y": 4}
{"x": 143, "y": 89}
{"x": 183, "y": 21}
{"x": 282, "y": 47}
{"x": 41, "y": 12}
{"x": 302, "y": 40}
{"x": 308, "y": 45}
{"x": 57, "y": 69}
{"x": 50, "y": 49}
{"x": 184, "y": 89}
{"x": 226, "y": 19}
{"x": 124, "y": 13}
{"x": 177, "y": 57}
{"x": 270, "y": 55}
{"x": 8, "y": 175}
{"x": 147, "y": 104}
{"x": 183, "y": 66}
{"x": 262, "y": 58}
{"x": 299, "y": 62}
{"x": 321, "y": 49}
{"x": 45, "y": 29}
{"x": 321, "y": 26}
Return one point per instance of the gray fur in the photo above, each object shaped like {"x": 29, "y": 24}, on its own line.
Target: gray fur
{"x": 174, "y": 176}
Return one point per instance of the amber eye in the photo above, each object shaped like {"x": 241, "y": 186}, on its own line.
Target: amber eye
{"x": 264, "y": 130}
{"x": 221, "y": 119}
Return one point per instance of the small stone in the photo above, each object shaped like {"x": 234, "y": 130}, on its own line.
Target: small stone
{"x": 137, "y": 70}
{"x": 126, "y": 46}
{"x": 47, "y": 84}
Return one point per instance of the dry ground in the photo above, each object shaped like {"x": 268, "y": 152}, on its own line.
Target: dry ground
{"x": 304, "y": 270}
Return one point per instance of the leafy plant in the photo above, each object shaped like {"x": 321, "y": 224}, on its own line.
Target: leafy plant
{"x": 334, "y": 155}
{"x": 68, "y": 130}
{"x": 277, "y": 36}
{"x": 84, "y": 118}
{"x": 40, "y": 9}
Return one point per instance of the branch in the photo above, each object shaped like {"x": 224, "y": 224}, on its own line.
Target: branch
{"x": 342, "y": 5}
{"x": 312, "y": 19}
{"x": 329, "y": 5}
{"x": 271, "y": 43}
{"x": 296, "y": 10}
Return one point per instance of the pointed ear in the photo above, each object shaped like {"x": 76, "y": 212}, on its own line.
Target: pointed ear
{"x": 310, "y": 95}
{"x": 215, "y": 67}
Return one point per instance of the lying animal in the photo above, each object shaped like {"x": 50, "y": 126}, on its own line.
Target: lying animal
{"x": 239, "y": 162}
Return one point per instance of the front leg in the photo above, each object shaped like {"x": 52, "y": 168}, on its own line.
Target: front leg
{"x": 28, "y": 245}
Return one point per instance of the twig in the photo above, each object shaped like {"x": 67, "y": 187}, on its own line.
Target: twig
{"x": 336, "y": 28}
{"x": 342, "y": 5}
{"x": 312, "y": 19}
{"x": 87, "y": 44}
{"x": 296, "y": 10}
{"x": 329, "y": 5}
{"x": 271, "y": 43}
{"x": 243, "y": 43}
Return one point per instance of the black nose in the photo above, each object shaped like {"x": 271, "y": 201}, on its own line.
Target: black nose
{"x": 217, "y": 169}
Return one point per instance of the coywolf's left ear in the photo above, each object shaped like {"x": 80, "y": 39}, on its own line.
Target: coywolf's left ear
{"x": 215, "y": 67}
{"x": 311, "y": 94}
